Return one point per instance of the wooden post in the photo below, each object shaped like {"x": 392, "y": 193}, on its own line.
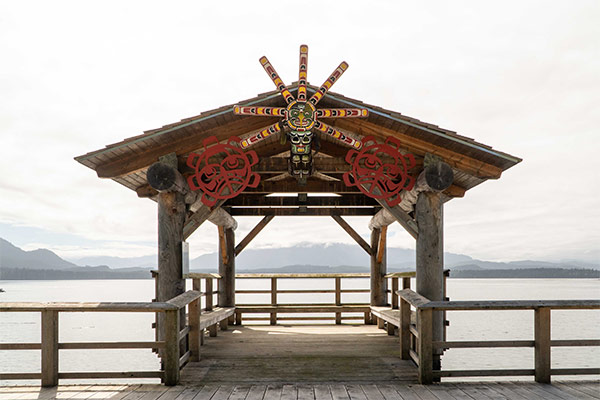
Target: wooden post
{"x": 391, "y": 329}
{"x": 542, "y": 344}
{"x": 171, "y": 218}
{"x": 194, "y": 321}
{"x": 430, "y": 258}
{"x": 171, "y": 357}
{"x": 378, "y": 271}
{"x": 227, "y": 267}
{"x": 338, "y": 299}
{"x": 425, "y": 348}
{"x": 404, "y": 329}
{"x": 273, "y": 320}
{"x": 406, "y": 283}
{"x": 208, "y": 288}
{"x": 394, "y": 294}
{"x": 49, "y": 348}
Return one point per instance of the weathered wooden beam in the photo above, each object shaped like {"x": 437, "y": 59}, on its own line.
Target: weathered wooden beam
{"x": 222, "y": 218}
{"x": 227, "y": 267}
{"x": 171, "y": 217}
{"x": 346, "y": 200}
{"x": 49, "y": 348}
{"x": 353, "y": 234}
{"x": 197, "y": 218}
{"x": 378, "y": 272}
{"x": 300, "y": 212}
{"x": 292, "y": 186}
{"x": 430, "y": 258}
{"x": 436, "y": 177}
{"x": 146, "y": 191}
{"x": 381, "y": 246}
{"x": 542, "y": 352}
{"x": 252, "y": 234}
{"x": 389, "y": 214}
{"x": 165, "y": 178}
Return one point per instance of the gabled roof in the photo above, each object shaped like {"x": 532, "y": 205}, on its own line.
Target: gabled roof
{"x": 126, "y": 162}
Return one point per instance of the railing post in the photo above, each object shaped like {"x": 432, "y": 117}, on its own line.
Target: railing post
{"x": 273, "y": 300}
{"x": 209, "y": 293}
{"x": 394, "y": 294}
{"x": 171, "y": 361}
{"x": 425, "y": 328}
{"x": 194, "y": 321}
{"x": 338, "y": 299}
{"x": 542, "y": 344}
{"x": 406, "y": 283}
{"x": 49, "y": 348}
{"x": 404, "y": 329}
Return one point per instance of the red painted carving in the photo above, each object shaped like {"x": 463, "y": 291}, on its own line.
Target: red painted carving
{"x": 380, "y": 170}
{"x": 222, "y": 171}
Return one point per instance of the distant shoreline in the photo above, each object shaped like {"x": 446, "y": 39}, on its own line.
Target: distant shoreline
{"x": 527, "y": 273}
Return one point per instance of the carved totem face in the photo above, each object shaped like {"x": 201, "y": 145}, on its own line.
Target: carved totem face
{"x": 300, "y": 119}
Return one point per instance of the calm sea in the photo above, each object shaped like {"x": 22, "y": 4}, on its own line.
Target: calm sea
{"x": 464, "y": 325}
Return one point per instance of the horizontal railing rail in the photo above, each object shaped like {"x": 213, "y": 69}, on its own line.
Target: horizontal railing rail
{"x": 417, "y": 342}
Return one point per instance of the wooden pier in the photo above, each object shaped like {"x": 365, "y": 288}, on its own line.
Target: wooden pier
{"x": 205, "y": 347}
{"x": 568, "y": 390}
{"x": 327, "y": 362}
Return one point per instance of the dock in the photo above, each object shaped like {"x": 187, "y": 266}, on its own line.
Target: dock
{"x": 380, "y": 391}
{"x": 306, "y": 362}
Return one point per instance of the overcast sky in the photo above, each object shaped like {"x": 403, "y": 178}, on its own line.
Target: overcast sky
{"x": 521, "y": 76}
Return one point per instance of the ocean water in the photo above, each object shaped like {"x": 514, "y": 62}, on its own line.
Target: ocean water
{"x": 464, "y": 325}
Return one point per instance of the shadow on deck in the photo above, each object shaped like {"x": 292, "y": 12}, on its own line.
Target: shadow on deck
{"x": 300, "y": 354}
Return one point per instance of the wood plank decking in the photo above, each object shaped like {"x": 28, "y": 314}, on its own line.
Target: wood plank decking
{"x": 329, "y": 362}
{"x": 566, "y": 390}
{"x": 300, "y": 353}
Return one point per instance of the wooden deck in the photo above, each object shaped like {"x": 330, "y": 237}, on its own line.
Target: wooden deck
{"x": 380, "y": 391}
{"x": 300, "y": 353}
{"x": 328, "y": 362}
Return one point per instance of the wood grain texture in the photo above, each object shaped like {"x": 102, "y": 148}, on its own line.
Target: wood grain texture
{"x": 566, "y": 390}
{"x": 430, "y": 255}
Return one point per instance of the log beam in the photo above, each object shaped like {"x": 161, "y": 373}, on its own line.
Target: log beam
{"x": 381, "y": 246}
{"x": 258, "y": 200}
{"x": 378, "y": 271}
{"x": 436, "y": 177}
{"x": 388, "y": 214}
{"x": 165, "y": 178}
{"x": 353, "y": 234}
{"x": 171, "y": 217}
{"x": 430, "y": 258}
{"x": 252, "y": 234}
{"x": 222, "y": 218}
{"x": 309, "y": 212}
{"x": 226, "y": 267}
{"x": 197, "y": 218}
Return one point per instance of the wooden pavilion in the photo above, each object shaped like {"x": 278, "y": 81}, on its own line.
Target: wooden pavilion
{"x": 447, "y": 165}
{"x": 225, "y": 163}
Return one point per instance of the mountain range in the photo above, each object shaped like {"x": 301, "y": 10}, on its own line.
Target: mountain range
{"x": 301, "y": 258}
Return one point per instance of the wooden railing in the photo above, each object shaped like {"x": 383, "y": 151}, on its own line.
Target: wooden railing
{"x": 174, "y": 354}
{"x": 417, "y": 341}
{"x": 275, "y": 307}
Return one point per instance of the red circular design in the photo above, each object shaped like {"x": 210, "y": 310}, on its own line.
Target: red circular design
{"x": 380, "y": 171}
{"x": 222, "y": 171}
